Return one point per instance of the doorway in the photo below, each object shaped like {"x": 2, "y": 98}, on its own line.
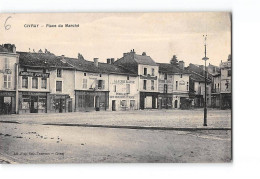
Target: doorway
{"x": 176, "y": 104}
{"x": 34, "y": 104}
{"x": 113, "y": 105}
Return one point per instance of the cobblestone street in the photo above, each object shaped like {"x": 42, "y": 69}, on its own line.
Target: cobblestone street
{"x": 28, "y": 141}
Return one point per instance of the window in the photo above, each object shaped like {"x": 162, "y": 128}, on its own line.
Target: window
{"x": 152, "y": 71}
{"x": 128, "y": 77}
{"x": 199, "y": 90}
{"x": 128, "y": 88}
{"x": 24, "y": 82}
{"x": 7, "y": 81}
{"x": 26, "y": 102}
{"x": 100, "y": 75}
{"x": 152, "y": 85}
{"x": 35, "y": 83}
{"x": 187, "y": 86}
{"x": 59, "y": 86}
{"x": 165, "y": 88}
{"x": 144, "y": 87}
{"x": 215, "y": 86}
{"x": 114, "y": 88}
{"x": 123, "y": 103}
{"x": 101, "y": 84}
{"x": 229, "y": 72}
{"x": 42, "y": 104}
{"x": 58, "y": 72}
{"x": 85, "y": 84}
{"x": 176, "y": 85}
{"x": 7, "y": 63}
{"x": 44, "y": 83}
{"x": 44, "y": 70}
{"x": 145, "y": 71}
{"x": 181, "y": 75}
{"x": 165, "y": 76}
{"x": 85, "y": 74}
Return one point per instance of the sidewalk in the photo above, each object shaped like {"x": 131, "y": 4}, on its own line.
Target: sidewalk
{"x": 150, "y": 119}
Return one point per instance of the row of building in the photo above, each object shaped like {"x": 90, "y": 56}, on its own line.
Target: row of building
{"x": 42, "y": 82}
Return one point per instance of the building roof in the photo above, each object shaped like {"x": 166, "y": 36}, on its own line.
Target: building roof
{"x": 43, "y": 60}
{"x": 171, "y": 69}
{"x": 197, "y": 73}
{"x": 89, "y": 66}
{"x": 144, "y": 60}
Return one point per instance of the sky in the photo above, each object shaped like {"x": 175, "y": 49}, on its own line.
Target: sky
{"x": 109, "y": 35}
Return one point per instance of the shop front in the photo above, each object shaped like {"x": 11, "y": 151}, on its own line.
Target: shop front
{"x": 165, "y": 101}
{"x": 148, "y": 100}
{"x": 123, "y": 102}
{"x": 91, "y": 100}
{"x": 32, "y": 102}
{"x": 226, "y": 100}
{"x": 59, "y": 103}
{"x": 7, "y": 102}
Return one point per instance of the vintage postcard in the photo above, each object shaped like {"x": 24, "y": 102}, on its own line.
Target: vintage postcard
{"x": 115, "y": 88}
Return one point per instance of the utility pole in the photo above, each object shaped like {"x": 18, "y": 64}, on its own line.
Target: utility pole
{"x": 205, "y": 72}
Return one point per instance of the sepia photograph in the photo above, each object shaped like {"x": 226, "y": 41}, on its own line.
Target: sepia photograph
{"x": 146, "y": 87}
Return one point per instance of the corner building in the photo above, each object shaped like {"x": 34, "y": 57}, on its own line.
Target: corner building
{"x": 146, "y": 70}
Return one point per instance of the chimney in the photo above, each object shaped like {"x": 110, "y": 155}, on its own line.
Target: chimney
{"x": 96, "y": 62}
{"x": 132, "y": 51}
{"x": 181, "y": 65}
{"x": 144, "y": 54}
{"x": 63, "y": 59}
{"x": 10, "y": 47}
{"x": 14, "y": 49}
{"x": 108, "y": 61}
{"x": 112, "y": 60}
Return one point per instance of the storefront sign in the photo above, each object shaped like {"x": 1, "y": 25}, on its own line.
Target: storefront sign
{"x": 123, "y": 82}
{"x": 7, "y": 93}
{"x": 130, "y": 97}
{"x": 148, "y": 77}
{"x": 34, "y": 74}
{"x": 34, "y": 93}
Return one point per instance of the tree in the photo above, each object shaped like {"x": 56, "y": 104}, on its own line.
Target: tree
{"x": 174, "y": 60}
{"x": 80, "y": 57}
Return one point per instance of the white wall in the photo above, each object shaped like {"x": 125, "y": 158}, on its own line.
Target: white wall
{"x": 91, "y": 80}
{"x": 13, "y": 59}
{"x": 120, "y": 81}
{"x": 149, "y": 71}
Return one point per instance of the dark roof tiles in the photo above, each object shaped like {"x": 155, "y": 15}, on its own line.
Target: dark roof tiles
{"x": 44, "y": 60}
{"x": 171, "y": 69}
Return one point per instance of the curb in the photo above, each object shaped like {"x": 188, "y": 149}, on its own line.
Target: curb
{"x": 141, "y": 127}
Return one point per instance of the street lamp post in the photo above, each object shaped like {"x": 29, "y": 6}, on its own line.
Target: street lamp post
{"x": 205, "y": 75}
